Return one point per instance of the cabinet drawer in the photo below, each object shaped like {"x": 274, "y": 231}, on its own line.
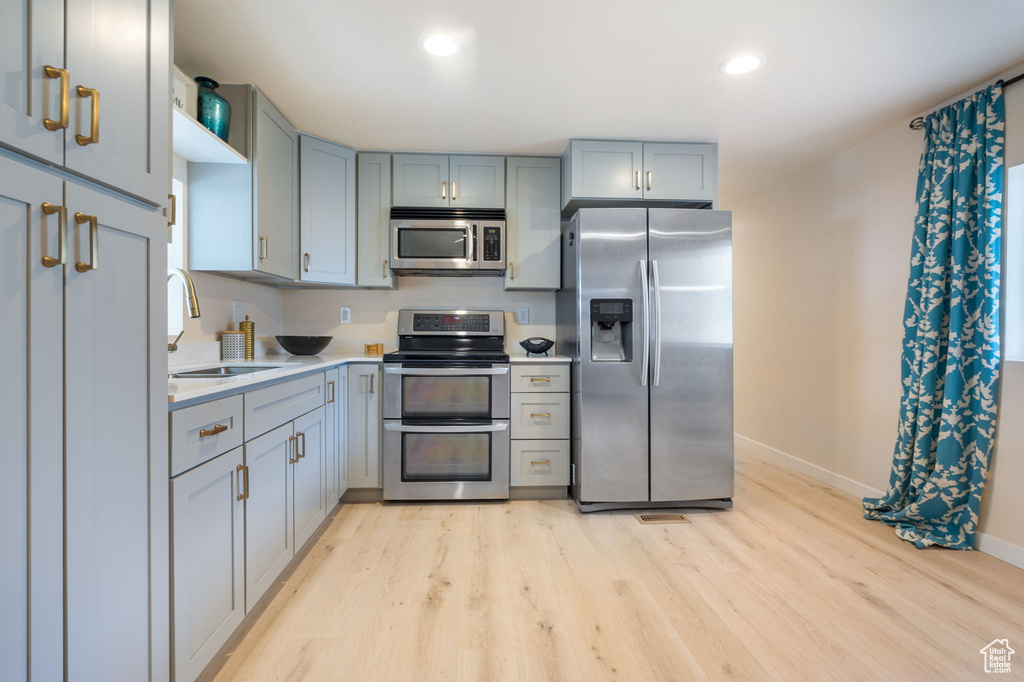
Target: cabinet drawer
{"x": 537, "y": 415}
{"x": 201, "y": 432}
{"x": 270, "y": 407}
{"x": 539, "y": 462}
{"x": 540, "y": 378}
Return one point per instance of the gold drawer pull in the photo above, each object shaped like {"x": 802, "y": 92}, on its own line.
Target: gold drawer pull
{"x": 245, "y": 471}
{"x": 300, "y": 434}
{"x": 295, "y": 448}
{"x": 62, "y": 235}
{"x": 94, "y": 124}
{"x": 94, "y": 242}
{"x": 219, "y": 428}
{"x": 546, "y": 415}
{"x": 535, "y": 462}
{"x": 536, "y": 379}
{"x": 65, "y": 98}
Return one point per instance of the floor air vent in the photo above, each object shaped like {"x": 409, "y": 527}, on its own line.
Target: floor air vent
{"x": 662, "y": 518}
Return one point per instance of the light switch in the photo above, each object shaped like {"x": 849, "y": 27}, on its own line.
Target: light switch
{"x": 238, "y": 311}
{"x": 523, "y": 315}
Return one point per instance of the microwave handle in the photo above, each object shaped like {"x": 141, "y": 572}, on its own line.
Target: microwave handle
{"x": 473, "y": 246}
{"x": 461, "y": 428}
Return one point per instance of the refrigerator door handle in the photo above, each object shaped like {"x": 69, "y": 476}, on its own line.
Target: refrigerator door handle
{"x": 645, "y": 316}
{"x": 657, "y": 322}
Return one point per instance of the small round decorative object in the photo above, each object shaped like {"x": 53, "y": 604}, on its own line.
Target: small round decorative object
{"x": 214, "y": 112}
{"x": 537, "y": 345}
{"x": 304, "y": 345}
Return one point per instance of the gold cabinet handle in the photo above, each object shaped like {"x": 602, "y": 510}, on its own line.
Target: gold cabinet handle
{"x": 545, "y": 415}
{"x": 174, "y": 210}
{"x": 536, "y": 462}
{"x": 372, "y": 377}
{"x": 206, "y": 433}
{"x": 384, "y": 269}
{"x": 62, "y": 235}
{"x": 511, "y": 269}
{"x": 294, "y": 448}
{"x": 637, "y": 180}
{"x": 94, "y": 243}
{"x": 262, "y": 248}
{"x": 245, "y": 474}
{"x": 305, "y": 261}
{"x": 536, "y": 379}
{"x": 453, "y": 190}
{"x": 65, "y": 98}
{"x": 330, "y": 399}
{"x": 298, "y": 456}
{"x": 94, "y": 124}
{"x": 650, "y": 175}
{"x": 444, "y": 190}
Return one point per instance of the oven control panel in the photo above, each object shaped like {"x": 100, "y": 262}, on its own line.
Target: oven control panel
{"x": 426, "y": 322}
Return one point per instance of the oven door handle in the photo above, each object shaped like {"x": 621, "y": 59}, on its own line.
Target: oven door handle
{"x": 461, "y": 428}
{"x": 445, "y": 371}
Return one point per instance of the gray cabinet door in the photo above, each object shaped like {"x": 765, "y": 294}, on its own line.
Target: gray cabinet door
{"x": 31, "y": 39}
{"x": 121, "y": 50}
{"x": 268, "y": 510}
{"x": 606, "y": 170}
{"x": 275, "y": 191}
{"x": 364, "y": 426}
{"x": 532, "y": 241}
{"x": 115, "y": 440}
{"x": 680, "y": 171}
{"x": 477, "y": 181}
{"x": 331, "y": 444}
{"x": 32, "y": 423}
{"x": 208, "y": 559}
{"x": 373, "y": 221}
{"x": 309, "y": 509}
{"x": 342, "y": 429}
{"x": 420, "y": 180}
{"x": 327, "y": 212}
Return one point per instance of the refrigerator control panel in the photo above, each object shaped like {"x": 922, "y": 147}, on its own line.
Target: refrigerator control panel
{"x": 611, "y": 310}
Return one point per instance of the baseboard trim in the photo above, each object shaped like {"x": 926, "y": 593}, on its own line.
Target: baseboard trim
{"x": 1000, "y": 549}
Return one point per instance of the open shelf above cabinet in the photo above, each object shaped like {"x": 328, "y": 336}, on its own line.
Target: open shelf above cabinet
{"x": 193, "y": 142}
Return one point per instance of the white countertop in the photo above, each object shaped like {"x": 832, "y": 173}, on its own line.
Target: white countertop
{"x": 183, "y": 392}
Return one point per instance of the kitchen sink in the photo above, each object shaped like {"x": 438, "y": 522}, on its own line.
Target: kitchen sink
{"x": 221, "y": 372}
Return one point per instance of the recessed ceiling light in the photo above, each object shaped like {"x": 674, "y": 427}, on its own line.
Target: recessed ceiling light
{"x": 439, "y": 45}
{"x": 744, "y": 63}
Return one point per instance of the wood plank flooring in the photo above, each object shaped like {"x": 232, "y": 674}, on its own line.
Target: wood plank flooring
{"x": 791, "y": 584}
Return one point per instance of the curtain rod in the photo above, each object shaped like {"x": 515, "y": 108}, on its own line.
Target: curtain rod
{"x": 918, "y": 123}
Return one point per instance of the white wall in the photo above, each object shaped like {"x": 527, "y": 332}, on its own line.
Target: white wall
{"x": 821, "y": 265}
{"x": 375, "y": 312}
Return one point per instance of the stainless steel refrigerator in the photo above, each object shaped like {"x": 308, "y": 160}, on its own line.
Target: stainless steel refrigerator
{"x": 645, "y": 313}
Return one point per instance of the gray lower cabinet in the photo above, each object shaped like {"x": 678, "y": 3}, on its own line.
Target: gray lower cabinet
{"x": 327, "y": 212}
{"x": 336, "y": 457}
{"x": 268, "y": 510}
{"x": 373, "y": 215}
{"x": 244, "y": 219}
{"x": 539, "y": 411}
{"x": 364, "y": 423}
{"x": 309, "y": 500}
{"x": 533, "y": 226}
{"x": 208, "y": 564}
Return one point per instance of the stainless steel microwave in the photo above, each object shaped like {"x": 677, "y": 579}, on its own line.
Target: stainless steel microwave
{"x": 448, "y": 245}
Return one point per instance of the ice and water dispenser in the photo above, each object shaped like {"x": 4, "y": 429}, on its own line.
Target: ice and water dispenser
{"x": 611, "y": 329}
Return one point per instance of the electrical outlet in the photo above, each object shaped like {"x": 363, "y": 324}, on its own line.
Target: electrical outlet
{"x": 238, "y": 311}
{"x": 346, "y": 315}
{"x": 523, "y": 315}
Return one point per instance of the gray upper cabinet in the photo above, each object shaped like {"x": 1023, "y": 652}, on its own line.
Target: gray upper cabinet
{"x": 327, "y": 212}
{"x": 438, "y": 181}
{"x": 680, "y": 171}
{"x": 372, "y": 220}
{"x": 477, "y": 181}
{"x": 533, "y": 223}
{"x": 244, "y": 219}
{"x": 594, "y": 170}
{"x": 77, "y": 94}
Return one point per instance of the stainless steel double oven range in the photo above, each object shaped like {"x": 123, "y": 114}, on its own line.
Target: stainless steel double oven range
{"x": 446, "y": 407}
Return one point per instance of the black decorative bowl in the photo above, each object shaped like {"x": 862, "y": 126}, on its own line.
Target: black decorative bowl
{"x": 304, "y": 345}
{"x": 537, "y": 345}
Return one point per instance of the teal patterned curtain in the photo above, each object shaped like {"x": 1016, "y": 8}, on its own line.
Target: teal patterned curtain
{"x": 951, "y": 330}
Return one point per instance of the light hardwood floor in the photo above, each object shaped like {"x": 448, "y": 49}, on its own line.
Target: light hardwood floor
{"x": 791, "y": 584}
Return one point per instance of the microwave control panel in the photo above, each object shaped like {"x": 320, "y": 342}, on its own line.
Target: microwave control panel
{"x": 492, "y": 243}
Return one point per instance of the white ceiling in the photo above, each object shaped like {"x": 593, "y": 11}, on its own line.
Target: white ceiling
{"x": 533, "y": 73}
